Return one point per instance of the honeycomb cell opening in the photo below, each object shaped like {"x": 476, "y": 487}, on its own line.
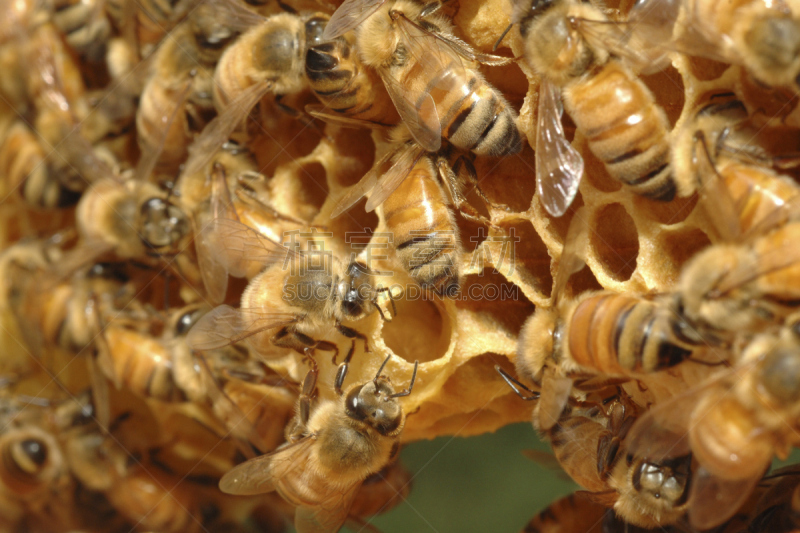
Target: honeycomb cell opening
{"x": 313, "y": 184}
{"x": 491, "y": 295}
{"x": 669, "y": 92}
{"x": 615, "y": 241}
{"x": 531, "y": 259}
{"x": 421, "y": 330}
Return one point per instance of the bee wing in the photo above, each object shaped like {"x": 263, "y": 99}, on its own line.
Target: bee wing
{"x": 212, "y": 268}
{"x": 216, "y": 132}
{"x": 779, "y": 256}
{"x": 242, "y": 246}
{"x": 235, "y": 15}
{"x": 365, "y": 186}
{"x": 777, "y": 217}
{"x": 715, "y": 197}
{"x": 438, "y": 66}
{"x": 328, "y": 515}
{"x": 572, "y": 255}
{"x": 225, "y": 325}
{"x": 147, "y": 161}
{"x": 653, "y": 23}
{"x": 263, "y": 474}
{"x": 321, "y": 112}
{"x": 555, "y": 394}
{"x": 713, "y": 500}
{"x": 559, "y": 167}
{"x": 610, "y": 35}
{"x": 390, "y": 181}
{"x": 349, "y": 15}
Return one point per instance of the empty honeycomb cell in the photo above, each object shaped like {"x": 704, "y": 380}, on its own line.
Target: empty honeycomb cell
{"x": 356, "y": 226}
{"x": 531, "y": 259}
{"x": 703, "y": 69}
{"x": 287, "y": 140}
{"x": 582, "y": 281}
{"x": 472, "y": 233}
{"x": 667, "y": 213}
{"x": 668, "y": 90}
{"x": 615, "y": 241}
{"x": 678, "y": 247}
{"x": 559, "y": 226}
{"x": 509, "y": 180}
{"x": 510, "y": 81}
{"x": 496, "y": 299}
{"x": 313, "y": 184}
{"x": 420, "y": 331}
{"x": 354, "y": 154}
{"x": 494, "y": 399}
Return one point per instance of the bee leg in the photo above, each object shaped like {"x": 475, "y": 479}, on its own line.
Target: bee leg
{"x": 308, "y": 393}
{"x": 350, "y": 333}
{"x": 286, "y": 338}
{"x": 341, "y": 372}
{"x": 451, "y": 180}
{"x": 516, "y": 386}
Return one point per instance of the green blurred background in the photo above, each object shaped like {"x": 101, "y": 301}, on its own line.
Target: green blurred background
{"x": 478, "y": 484}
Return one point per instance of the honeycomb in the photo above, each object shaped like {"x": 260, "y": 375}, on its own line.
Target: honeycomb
{"x": 508, "y": 268}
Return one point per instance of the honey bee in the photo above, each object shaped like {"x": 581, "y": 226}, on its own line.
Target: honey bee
{"x": 143, "y": 24}
{"x": 589, "y": 442}
{"x": 252, "y": 60}
{"x": 231, "y": 187}
{"x": 133, "y": 218}
{"x": 714, "y": 155}
{"x": 730, "y": 292}
{"x": 594, "y": 335}
{"x": 177, "y": 100}
{"x": 283, "y": 308}
{"x": 732, "y": 425}
{"x": 333, "y": 447}
{"x": 28, "y": 172}
{"x": 761, "y": 37}
{"x": 567, "y": 43}
{"x": 431, "y": 75}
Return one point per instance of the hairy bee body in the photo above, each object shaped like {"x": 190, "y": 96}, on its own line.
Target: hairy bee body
{"x": 426, "y": 237}
{"x": 624, "y": 128}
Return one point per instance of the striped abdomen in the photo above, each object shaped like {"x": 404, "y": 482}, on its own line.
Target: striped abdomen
{"x": 344, "y": 86}
{"x": 22, "y": 161}
{"x": 425, "y": 233}
{"x": 574, "y": 440}
{"x": 625, "y": 129}
{"x": 617, "y": 334}
{"x": 575, "y": 512}
{"x": 473, "y": 114}
{"x": 757, "y": 192}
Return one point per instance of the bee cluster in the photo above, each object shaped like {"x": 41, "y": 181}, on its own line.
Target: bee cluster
{"x": 249, "y": 249}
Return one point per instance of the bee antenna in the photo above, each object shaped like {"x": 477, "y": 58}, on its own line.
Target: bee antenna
{"x": 410, "y": 385}
{"x": 375, "y": 381}
{"x": 502, "y": 36}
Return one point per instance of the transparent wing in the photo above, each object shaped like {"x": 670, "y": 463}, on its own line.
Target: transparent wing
{"x": 559, "y": 167}
{"x": 572, "y": 255}
{"x": 262, "y": 474}
{"x": 655, "y": 20}
{"x": 213, "y": 269}
{"x": 239, "y": 247}
{"x": 392, "y": 179}
{"x": 362, "y": 188}
{"x": 611, "y": 36}
{"x": 715, "y": 197}
{"x": 321, "y": 112}
{"x": 713, "y": 501}
{"x": 435, "y": 66}
{"x": 225, "y": 325}
{"x": 555, "y": 394}
{"x": 217, "y": 132}
{"x": 149, "y": 158}
{"x": 235, "y": 15}
{"x": 776, "y": 251}
{"x": 328, "y": 515}
{"x": 349, "y": 15}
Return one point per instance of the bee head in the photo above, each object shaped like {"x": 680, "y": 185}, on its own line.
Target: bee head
{"x": 163, "y": 224}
